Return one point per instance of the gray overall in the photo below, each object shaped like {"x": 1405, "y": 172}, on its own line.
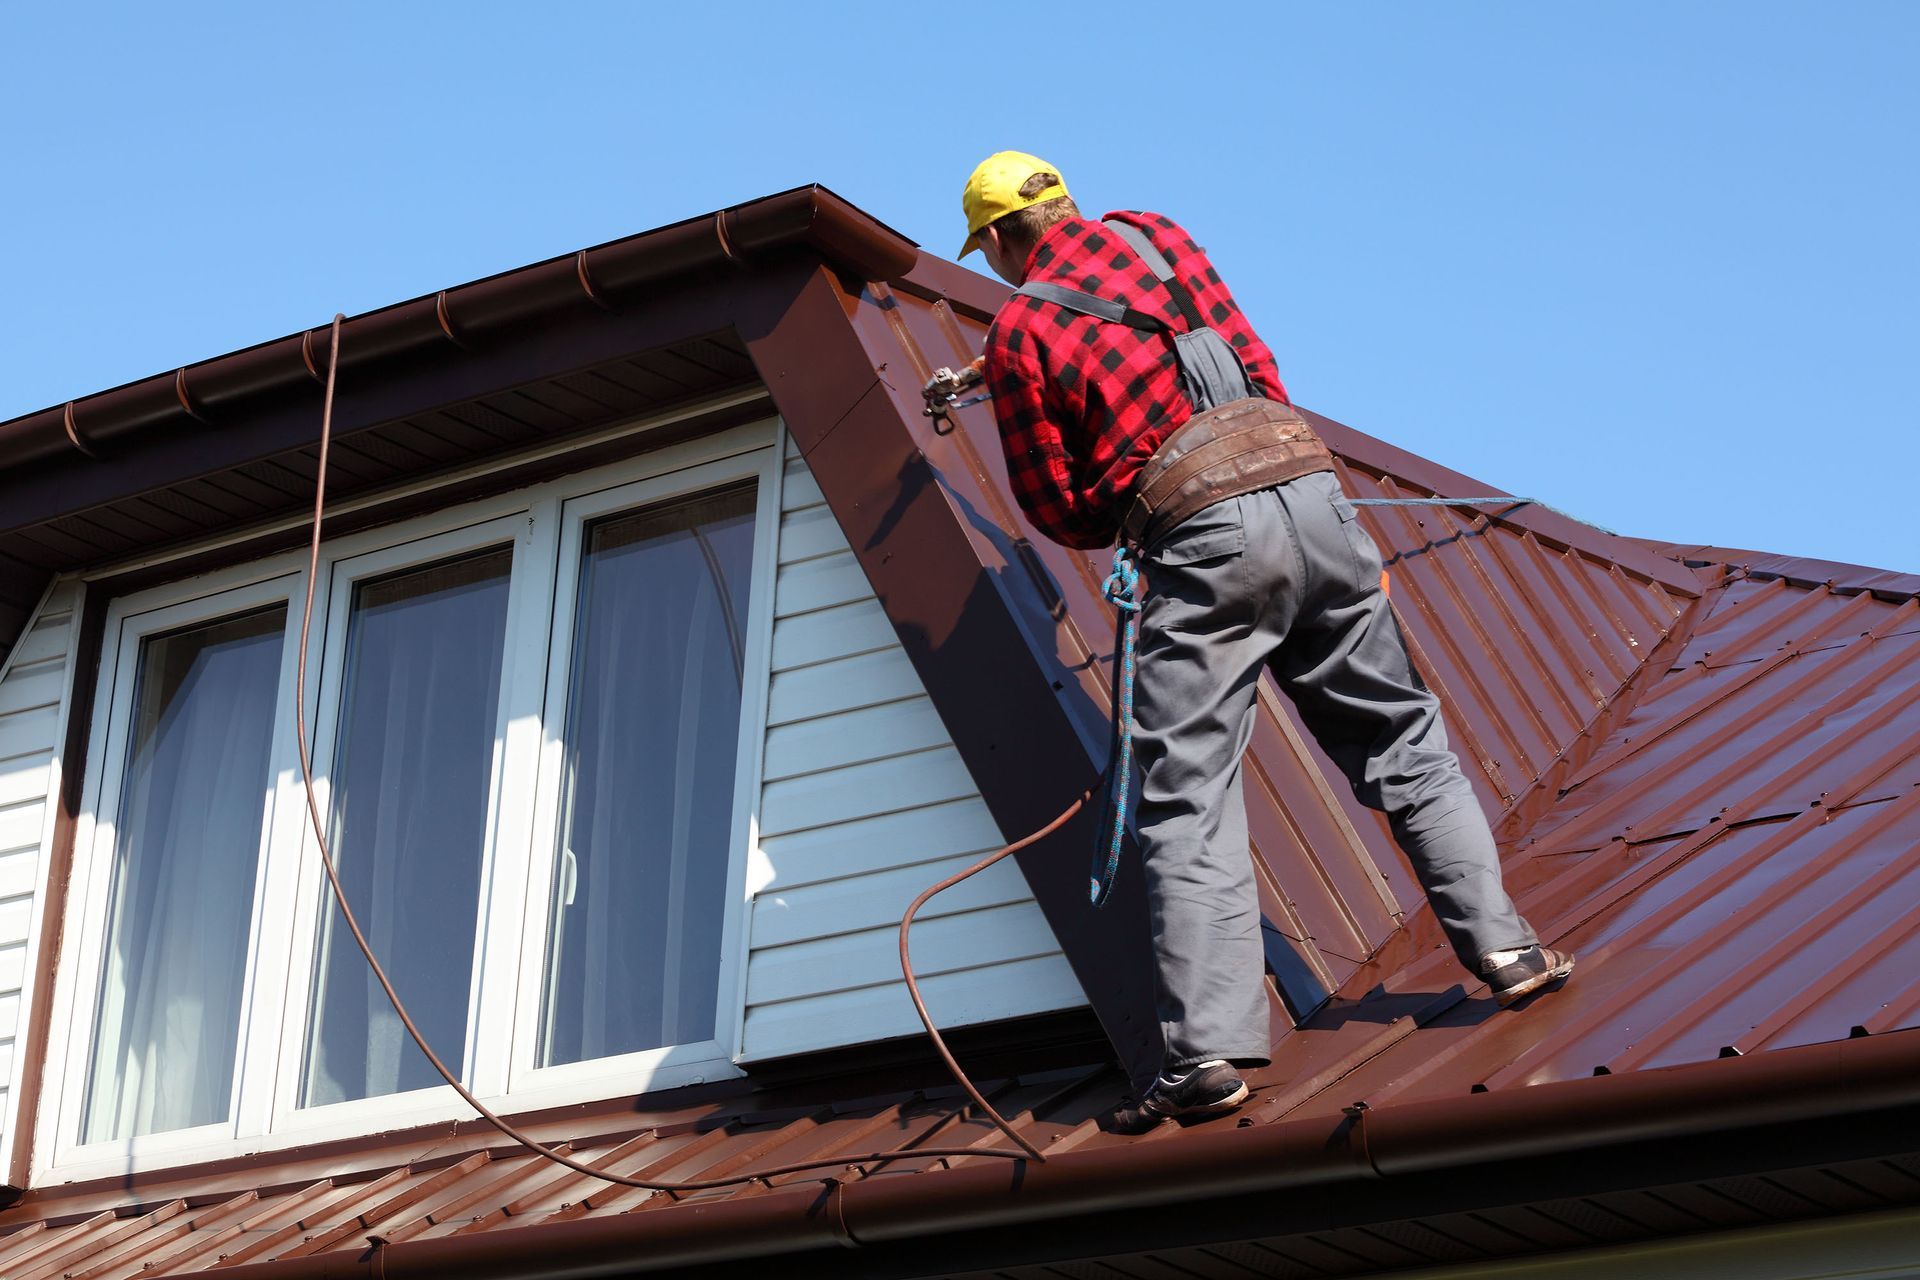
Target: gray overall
{"x": 1283, "y": 580}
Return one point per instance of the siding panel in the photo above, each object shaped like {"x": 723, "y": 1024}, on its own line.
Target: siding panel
{"x": 810, "y": 533}
{"x": 857, "y": 791}
{"x": 24, "y": 778}
{"x": 885, "y": 840}
{"x": 853, "y": 737}
{"x": 46, "y": 639}
{"x": 844, "y": 684}
{"x": 973, "y": 940}
{"x": 878, "y": 900}
{"x": 864, "y": 802}
{"x": 832, "y": 633}
{"x": 873, "y": 1013}
{"x": 28, "y": 732}
{"x": 20, "y": 828}
{"x": 802, "y": 490}
{"x": 820, "y": 584}
{"x": 35, "y": 686}
{"x": 16, "y": 880}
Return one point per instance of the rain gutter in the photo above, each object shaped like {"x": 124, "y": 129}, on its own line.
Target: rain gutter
{"x": 1842, "y": 1079}
{"x": 807, "y": 218}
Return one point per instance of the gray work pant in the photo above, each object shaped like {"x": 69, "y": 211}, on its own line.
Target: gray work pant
{"x": 1284, "y": 579}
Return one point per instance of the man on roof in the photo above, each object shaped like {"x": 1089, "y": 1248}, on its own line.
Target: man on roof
{"x": 1136, "y": 402}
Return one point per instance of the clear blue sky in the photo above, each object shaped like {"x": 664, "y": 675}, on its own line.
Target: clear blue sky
{"x": 1652, "y": 262}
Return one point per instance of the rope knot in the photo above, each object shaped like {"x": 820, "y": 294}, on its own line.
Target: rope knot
{"x": 1123, "y": 584}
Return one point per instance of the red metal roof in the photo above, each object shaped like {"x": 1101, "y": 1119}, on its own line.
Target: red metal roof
{"x": 1704, "y": 767}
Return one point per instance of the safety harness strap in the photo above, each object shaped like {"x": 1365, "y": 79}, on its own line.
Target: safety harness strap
{"x": 1161, "y": 268}
{"x": 1092, "y": 304}
{"x": 1211, "y": 371}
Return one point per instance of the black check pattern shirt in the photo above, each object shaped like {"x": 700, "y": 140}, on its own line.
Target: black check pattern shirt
{"x": 1082, "y": 403}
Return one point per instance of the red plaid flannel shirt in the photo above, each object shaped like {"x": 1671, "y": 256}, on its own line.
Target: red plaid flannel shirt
{"x": 1082, "y": 403}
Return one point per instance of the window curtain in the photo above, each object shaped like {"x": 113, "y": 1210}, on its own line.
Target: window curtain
{"x": 409, "y": 797}
{"x": 652, "y": 736}
{"x": 186, "y": 856}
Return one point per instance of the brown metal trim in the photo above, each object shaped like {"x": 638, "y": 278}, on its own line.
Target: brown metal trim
{"x": 444, "y": 318}
{"x": 574, "y": 339}
{"x": 309, "y": 359}
{"x": 587, "y": 285}
{"x": 72, "y": 429}
{"x": 726, "y": 244}
{"x": 185, "y": 397}
{"x": 32, "y": 1042}
{"x": 811, "y": 218}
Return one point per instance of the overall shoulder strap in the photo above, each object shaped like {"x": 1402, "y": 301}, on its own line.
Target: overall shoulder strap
{"x": 1161, "y": 268}
{"x": 1092, "y": 304}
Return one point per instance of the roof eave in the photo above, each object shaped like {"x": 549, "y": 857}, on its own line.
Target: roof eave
{"x": 741, "y": 236}
{"x": 1843, "y": 1080}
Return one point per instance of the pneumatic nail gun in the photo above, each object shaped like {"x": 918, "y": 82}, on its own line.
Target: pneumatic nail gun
{"x": 943, "y": 389}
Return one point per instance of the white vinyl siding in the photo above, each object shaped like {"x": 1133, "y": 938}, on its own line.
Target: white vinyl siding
{"x": 864, "y": 803}
{"x": 34, "y": 687}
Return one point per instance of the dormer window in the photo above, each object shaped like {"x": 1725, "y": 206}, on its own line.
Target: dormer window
{"x": 535, "y": 730}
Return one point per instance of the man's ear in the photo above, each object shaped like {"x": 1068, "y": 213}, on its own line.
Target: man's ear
{"x": 1001, "y": 252}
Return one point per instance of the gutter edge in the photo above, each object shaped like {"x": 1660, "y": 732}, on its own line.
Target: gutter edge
{"x": 1809, "y": 1082}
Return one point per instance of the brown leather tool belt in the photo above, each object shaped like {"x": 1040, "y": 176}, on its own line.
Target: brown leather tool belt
{"x": 1218, "y": 454}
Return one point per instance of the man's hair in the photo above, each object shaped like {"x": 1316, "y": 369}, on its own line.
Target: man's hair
{"x": 1025, "y": 226}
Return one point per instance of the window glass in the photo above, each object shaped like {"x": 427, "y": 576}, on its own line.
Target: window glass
{"x": 652, "y": 734}
{"x": 409, "y": 799}
{"x": 186, "y": 850}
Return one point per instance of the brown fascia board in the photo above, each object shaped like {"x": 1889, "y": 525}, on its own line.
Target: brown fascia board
{"x": 744, "y": 236}
{"x": 1633, "y": 1129}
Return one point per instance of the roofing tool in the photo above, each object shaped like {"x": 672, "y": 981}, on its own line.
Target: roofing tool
{"x": 944, "y": 387}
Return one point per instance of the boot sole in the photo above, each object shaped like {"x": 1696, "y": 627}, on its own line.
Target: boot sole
{"x": 1514, "y": 995}
{"x": 1215, "y": 1107}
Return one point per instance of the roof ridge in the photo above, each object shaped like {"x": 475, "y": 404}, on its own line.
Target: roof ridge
{"x": 1540, "y": 795}
{"x": 1800, "y": 571}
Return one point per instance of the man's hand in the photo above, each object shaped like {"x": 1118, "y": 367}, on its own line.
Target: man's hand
{"x": 945, "y": 384}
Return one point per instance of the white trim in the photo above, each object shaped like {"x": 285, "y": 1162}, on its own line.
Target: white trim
{"x": 542, "y": 523}
{"x": 754, "y": 869}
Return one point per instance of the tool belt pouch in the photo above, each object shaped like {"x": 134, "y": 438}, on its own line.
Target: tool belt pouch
{"x": 1217, "y": 454}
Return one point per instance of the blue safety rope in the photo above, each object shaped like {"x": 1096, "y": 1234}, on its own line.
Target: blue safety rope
{"x": 1121, "y": 587}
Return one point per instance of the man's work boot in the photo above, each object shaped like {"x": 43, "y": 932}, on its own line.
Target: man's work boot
{"x": 1514, "y": 977}
{"x": 1207, "y": 1089}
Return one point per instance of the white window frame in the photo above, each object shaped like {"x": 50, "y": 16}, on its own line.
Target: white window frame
{"x": 545, "y": 525}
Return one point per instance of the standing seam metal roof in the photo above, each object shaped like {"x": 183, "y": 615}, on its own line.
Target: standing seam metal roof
{"x": 1688, "y": 753}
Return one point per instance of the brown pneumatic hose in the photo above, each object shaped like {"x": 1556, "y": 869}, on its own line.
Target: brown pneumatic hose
{"x": 1026, "y": 1149}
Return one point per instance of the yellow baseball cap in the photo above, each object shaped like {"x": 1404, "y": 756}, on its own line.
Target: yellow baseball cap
{"x": 994, "y": 191}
